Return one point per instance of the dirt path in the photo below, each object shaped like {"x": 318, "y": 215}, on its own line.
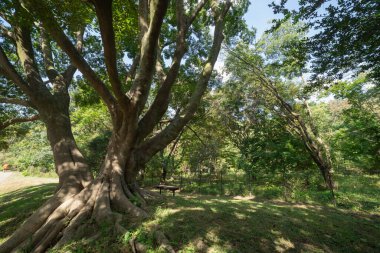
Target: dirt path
{"x": 4, "y": 176}
{"x": 11, "y": 181}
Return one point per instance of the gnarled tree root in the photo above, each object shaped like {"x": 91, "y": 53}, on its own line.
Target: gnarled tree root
{"x": 62, "y": 217}
{"x": 161, "y": 241}
{"x": 136, "y": 246}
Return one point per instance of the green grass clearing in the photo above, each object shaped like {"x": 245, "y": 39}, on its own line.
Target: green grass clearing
{"x": 196, "y": 223}
{"x": 18, "y": 205}
{"x": 206, "y": 223}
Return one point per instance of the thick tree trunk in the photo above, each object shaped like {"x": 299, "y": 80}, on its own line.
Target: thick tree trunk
{"x": 102, "y": 199}
{"x": 70, "y": 164}
{"x": 79, "y": 197}
{"x": 73, "y": 174}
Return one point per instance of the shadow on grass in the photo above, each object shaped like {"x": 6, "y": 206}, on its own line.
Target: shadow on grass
{"x": 195, "y": 223}
{"x": 18, "y": 205}
{"x": 359, "y": 192}
{"x": 201, "y": 223}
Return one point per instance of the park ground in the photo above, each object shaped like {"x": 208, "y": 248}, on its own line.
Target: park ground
{"x": 205, "y": 223}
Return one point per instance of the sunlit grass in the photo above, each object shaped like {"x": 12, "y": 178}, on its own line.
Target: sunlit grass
{"x": 205, "y": 223}
{"x": 196, "y": 223}
{"x": 17, "y": 205}
{"x": 354, "y": 191}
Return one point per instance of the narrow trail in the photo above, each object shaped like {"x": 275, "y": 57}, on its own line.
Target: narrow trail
{"x": 13, "y": 180}
{"x": 4, "y": 176}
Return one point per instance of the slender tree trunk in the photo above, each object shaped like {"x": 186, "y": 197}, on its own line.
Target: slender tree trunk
{"x": 164, "y": 166}
{"x": 221, "y": 183}
{"x": 310, "y": 137}
{"x": 181, "y": 178}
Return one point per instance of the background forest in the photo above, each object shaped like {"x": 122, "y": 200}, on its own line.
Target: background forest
{"x": 240, "y": 142}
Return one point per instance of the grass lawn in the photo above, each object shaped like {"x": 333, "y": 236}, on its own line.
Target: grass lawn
{"x": 200, "y": 223}
{"x": 213, "y": 224}
{"x": 17, "y": 205}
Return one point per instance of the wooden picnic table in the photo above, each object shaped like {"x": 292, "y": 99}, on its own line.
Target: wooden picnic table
{"x": 167, "y": 187}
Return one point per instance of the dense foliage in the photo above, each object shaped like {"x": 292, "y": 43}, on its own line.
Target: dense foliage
{"x": 345, "y": 38}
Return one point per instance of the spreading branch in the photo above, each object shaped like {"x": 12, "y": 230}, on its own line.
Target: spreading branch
{"x": 140, "y": 89}
{"x": 13, "y": 121}
{"x": 54, "y": 29}
{"x": 68, "y": 74}
{"x": 32, "y": 85}
{"x": 25, "y": 53}
{"x": 195, "y": 12}
{"x": 151, "y": 146}
{"x": 161, "y": 101}
{"x": 51, "y": 72}
{"x": 103, "y": 10}
{"x": 15, "y": 101}
{"x": 160, "y": 72}
{"x": 266, "y": 82}
{"x": 143, "y": 17}
{"x": 11, "y": 74}
{"x": 6, "y": 32}
{"x": 196, "y": 135}
{"x": 132, "y": 70}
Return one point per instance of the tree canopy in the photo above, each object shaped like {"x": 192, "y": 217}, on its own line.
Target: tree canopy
{"x": 345, "y": 39}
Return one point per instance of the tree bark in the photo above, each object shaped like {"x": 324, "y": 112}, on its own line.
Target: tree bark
{"x": 70, "y": 164}
{"x": 79, "y": 197}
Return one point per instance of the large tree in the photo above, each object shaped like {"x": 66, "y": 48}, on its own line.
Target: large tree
{"x": 267, "y": 65}
{"x": 28, "y": 93}
{"x": 175, "y": 46}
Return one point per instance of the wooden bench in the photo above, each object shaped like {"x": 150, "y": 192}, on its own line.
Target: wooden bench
{"x": 167, "y": 187}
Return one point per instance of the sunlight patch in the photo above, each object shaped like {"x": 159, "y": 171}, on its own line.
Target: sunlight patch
{"x": 194, "y": 209}
{"x": 163, "y": 213}
{"x": 7, "y": 221}
{"x": 212, "y": 235}
{"x": 283, "y": 245}
{"x": 250, "y": 197}
{"x": 240, "y": 216}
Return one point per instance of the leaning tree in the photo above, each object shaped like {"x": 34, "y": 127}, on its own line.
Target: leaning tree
{"x": 136, "y": 56}
{"x": 267, "y": 65}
